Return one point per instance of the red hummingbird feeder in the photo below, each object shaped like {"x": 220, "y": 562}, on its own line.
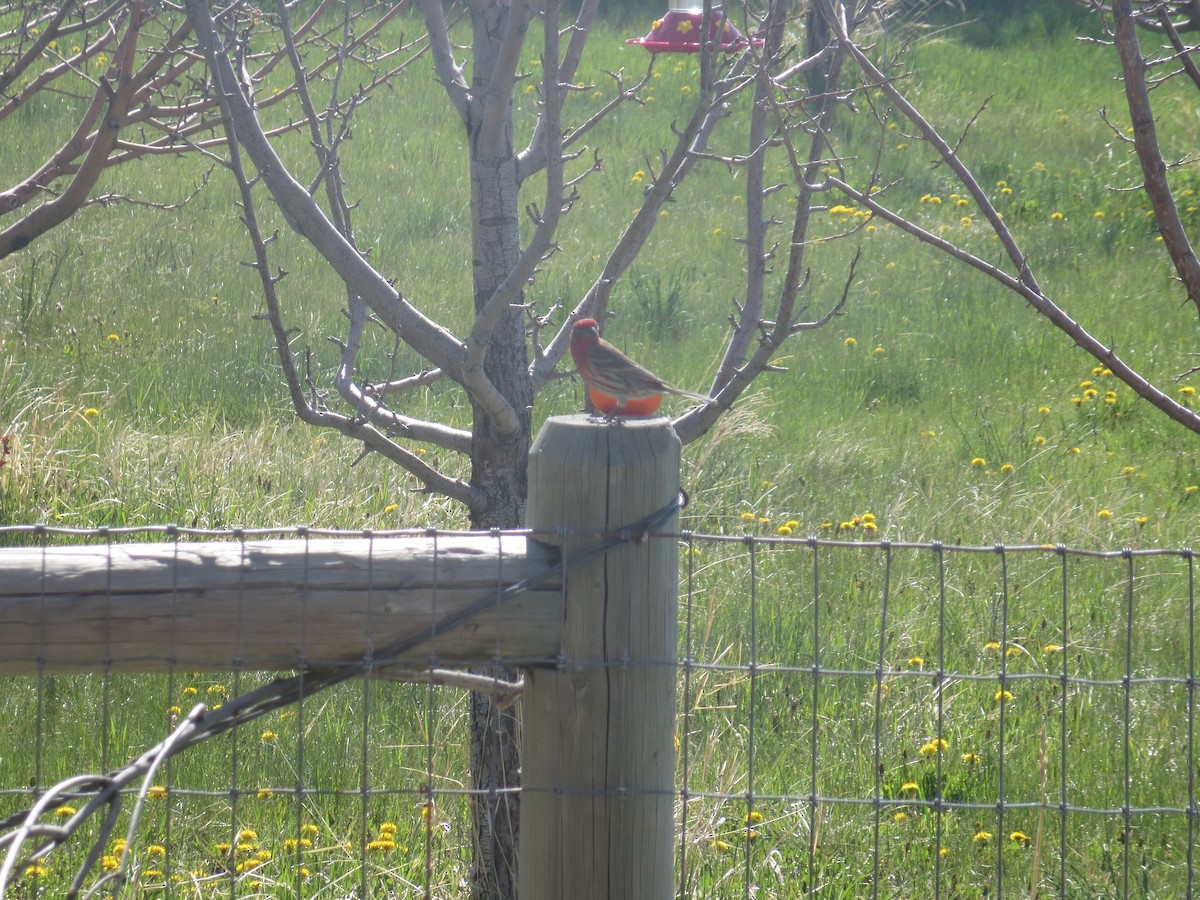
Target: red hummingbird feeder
{"x": 679, "y": 32}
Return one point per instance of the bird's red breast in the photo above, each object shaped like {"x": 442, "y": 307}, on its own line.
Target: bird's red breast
{"x": 644, "y": 406}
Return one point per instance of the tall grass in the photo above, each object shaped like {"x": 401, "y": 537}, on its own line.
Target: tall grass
{"x": 137, "y": 388}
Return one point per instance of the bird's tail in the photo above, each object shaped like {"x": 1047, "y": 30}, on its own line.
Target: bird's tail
{"x": 680, "y": 392}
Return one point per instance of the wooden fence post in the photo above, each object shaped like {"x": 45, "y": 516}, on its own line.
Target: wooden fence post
{"x": 598, "y": 732}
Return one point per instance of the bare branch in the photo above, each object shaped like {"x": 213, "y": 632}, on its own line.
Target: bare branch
{"x": 58, "y": 210}
{"x": 1145, "y": 142}
{"x": 430, "y": 339}
{"x": 449, "y": 73}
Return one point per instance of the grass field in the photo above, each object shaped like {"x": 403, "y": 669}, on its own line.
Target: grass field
{"x": 137, "y": 388}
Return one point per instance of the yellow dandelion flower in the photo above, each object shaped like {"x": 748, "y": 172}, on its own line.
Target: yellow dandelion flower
{"x": 978, "y": 462}
{"x": 1019, "y": 837}
{"x": 934, "y": 747}
{"x": 916, "y": 662}
{"x": 110, "y": 863}
{"x": 1187, "y": 390}
{"x": 982, "y": 837}
{"x": 157, "y": 791}
{"x": 268, "y": 737}
{"x": 157, "y": 850}
{"x": 749, "y": 516}
{"x": 1007, "y": 469}
{"x": 993, "y": 646}
{"x": 901, "y": 816}
{"x": 718, "y": 845}
{"x": 879, "y": 351}
{"x": 850, "y": 342}
{"x": 1056, "y": 216}
{"x": 909, "y": 787}
{"x": 1191, "y": 489}
{"x": 1104, "y": 514}
{"x": 1075, "y": 451}
{"x": 391, "y": 508}
{"x": 1003, "y": 695}
{"x": 1052, "y": 648}
{"x": 91, "y": 412}
{"x": 783, "y": 530}
{"x": 1140, "y": 520}
{"x": 265, "y": 794}
{"x": 970, "y": 759}
{"x": 754, "y": 817}
{"x": 114, "y": 337}
{"x": 944, "y": 852}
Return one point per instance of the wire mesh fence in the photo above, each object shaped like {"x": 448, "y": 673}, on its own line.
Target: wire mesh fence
{"x": 854, "y": 718}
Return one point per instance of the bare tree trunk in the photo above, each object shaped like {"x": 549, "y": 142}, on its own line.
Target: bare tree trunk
{"x": 498, "y": 467}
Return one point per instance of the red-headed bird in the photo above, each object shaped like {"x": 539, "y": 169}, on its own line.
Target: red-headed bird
{"x": 616, "y": 384}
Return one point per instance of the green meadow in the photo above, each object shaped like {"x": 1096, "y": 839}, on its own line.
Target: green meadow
{"x": 137, "y": 386}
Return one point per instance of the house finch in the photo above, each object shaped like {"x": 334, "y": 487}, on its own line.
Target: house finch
{"x": 616, "y": 384}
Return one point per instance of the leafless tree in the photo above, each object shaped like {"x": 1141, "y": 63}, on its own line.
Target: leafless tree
{"x": 1016, "y": 272}
{"x": 513, "y": 347}
{"x": 131, "y": 71}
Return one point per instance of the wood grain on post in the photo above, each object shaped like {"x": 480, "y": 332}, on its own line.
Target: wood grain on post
{"x": 271, "y": 604}
{"x": 598, "y": 732}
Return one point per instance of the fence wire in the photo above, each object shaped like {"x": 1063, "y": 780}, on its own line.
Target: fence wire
{"x": 855, "y": 718}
